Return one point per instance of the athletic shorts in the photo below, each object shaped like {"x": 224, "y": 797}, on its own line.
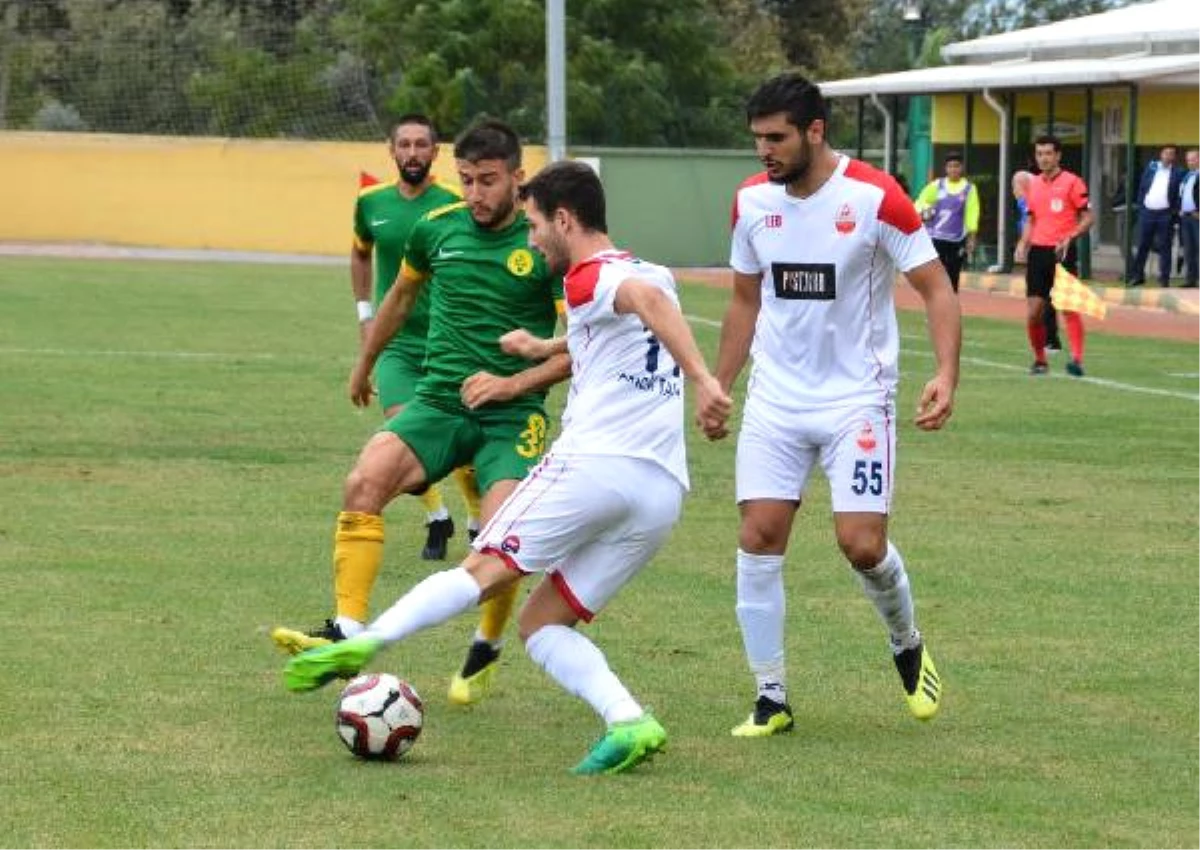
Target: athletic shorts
{"x": 396, "y": 376}
{"x": 1040, "y": 267}
{"x": 591, "y": 523}
{"x": 502, "y": 442}
{"x": 855, "y": 445}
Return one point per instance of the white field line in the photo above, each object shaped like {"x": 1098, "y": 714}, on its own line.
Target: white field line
{"x": 156, "y": 355}
{"x": 695, "y": 320}
{"x": 1008, "y": 367}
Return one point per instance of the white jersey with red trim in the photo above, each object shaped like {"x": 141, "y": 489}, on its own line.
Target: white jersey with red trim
{"x": 826, "y": 331}
{"x": 626, "y": 393}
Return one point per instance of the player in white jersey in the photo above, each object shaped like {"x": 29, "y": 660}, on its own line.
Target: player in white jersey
{"x": 606, "y": 495}
{"x": 817, "y": 240}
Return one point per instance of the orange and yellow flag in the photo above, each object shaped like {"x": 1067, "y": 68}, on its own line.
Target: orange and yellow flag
{"x": 1069, "y": 294}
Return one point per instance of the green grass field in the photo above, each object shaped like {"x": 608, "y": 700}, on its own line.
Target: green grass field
{"x": 173, "y": 439}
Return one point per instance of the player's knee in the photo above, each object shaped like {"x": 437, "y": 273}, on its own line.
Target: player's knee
{"x": 364, "y": 490}
{"x": 864, "y": 548}
{"x": 760, "y": 536}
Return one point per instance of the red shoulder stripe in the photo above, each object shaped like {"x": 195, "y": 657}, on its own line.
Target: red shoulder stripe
{"x": 896, "y": 208}
{"x": 752, "y": 180}
{"x": 580, "y": 282}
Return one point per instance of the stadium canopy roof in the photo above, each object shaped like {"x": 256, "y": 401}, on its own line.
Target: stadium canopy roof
{"x": 1156, "y": 71}
{"x": 1163, "y": 25}
{"x": 1156, "y": 45}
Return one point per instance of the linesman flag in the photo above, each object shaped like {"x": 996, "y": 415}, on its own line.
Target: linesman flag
{"x": 1070, "y": 294}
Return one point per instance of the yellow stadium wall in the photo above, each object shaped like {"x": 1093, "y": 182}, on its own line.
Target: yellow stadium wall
{"x": 226, "y": 194}
{"x": 1163, "y": 116}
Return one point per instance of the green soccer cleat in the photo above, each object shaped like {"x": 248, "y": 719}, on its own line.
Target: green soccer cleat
{"x": 922, "y": 685}
{"x": 768, "y": 718}
{"x": 623, "y": 746}
{"x": 314, "y": 668}
{"x": 294, "y": 641}
{"x": 472, "y": 683}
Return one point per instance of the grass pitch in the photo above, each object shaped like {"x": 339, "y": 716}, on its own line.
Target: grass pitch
{"x": 173, "y": 439}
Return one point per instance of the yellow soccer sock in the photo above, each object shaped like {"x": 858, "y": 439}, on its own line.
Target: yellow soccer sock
{"x": 357, "y": 557}
{"x": 469, "y": 487}
{"x": 495, "y": 612}
{"x": 432, "y": 500}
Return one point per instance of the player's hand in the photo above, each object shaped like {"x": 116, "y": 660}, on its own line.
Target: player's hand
{"x": 360, "y": 388}
{"x": 483, "y": 388}
{"x": 935, "y": 405}
{"x": 521, "y": 343}
{"x": 1060, "y": 250}
{"x": 713, "y": 407}
{"x": 1021, "y": 253}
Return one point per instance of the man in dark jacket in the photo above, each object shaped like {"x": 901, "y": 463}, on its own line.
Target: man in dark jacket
{"x": 1158, "y": 203}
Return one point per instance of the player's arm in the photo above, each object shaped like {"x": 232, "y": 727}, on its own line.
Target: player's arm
{"x": 737, "y": 328}
{"x": 521, "y": 343}
{"x": 926, "y": 199}
{"x": 1022, "y": 251}
{"x": 394, "y": 311}
{"x": 972, "y": 217}
{"x": 361, "y": 253}
{"x": 661, "y": 315}
{"x": 944, "y": 319}
{"x": 484, "y": 387}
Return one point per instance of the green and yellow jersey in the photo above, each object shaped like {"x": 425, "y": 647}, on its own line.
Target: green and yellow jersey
{"x": 383, "y": 220}
{"x": 481, "y": 284}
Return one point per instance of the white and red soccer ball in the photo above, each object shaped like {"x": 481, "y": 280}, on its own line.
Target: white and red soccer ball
{"x": 379, "y": 716}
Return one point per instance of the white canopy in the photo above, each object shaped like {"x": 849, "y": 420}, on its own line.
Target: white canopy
{"x": 1168, "y": 24}
{"x": 1157, "y": 71}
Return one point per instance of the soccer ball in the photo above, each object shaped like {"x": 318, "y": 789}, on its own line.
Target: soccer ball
{"x": 379, "y": 716}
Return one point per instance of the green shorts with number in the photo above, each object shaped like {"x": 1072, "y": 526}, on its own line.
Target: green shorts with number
{"x": 502, "y": 442}
{"x": 396, "y": 376}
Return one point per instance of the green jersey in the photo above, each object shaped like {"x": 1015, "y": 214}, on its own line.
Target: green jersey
{"x": 482, "y": 284}
{"x": 383, "y": 219}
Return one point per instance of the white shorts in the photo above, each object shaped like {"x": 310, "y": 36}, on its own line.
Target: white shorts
{"x": 589, "y": 522}
{"x": 856, "y": 447}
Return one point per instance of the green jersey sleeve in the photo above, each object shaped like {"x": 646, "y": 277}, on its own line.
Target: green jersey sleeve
{"x": 418, "y": 249}
{"x": 362, "y": 233}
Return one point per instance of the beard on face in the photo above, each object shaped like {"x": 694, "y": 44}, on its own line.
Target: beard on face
{"x": 414, "y": 172}
{"x": 496, "y": 215}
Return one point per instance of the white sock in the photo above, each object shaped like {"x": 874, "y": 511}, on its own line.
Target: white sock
{"x": 439, "y": 514}
{"x": 434, "y": 600}
{"x": 760, "y": 611}
{"x": 348, "y": 627}
{"x": 886, "y": 585}
{"x": 580, "y": 668}
{"x": 472, "y": 523}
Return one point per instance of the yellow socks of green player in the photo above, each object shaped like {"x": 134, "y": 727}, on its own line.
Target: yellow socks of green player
{"x": 435, "y": 508}
{"x": 357, "y": 557}
{"x": 469, "y": 487}
{"x": 494, "y": 613}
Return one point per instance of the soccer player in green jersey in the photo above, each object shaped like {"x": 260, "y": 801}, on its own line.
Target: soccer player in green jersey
{"x": 383, "y": 217}
{"x": 475, "y": 404}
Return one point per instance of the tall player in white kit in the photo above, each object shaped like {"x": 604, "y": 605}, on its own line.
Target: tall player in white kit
{"x": 607, "y": 494}
{"x": 817, "y": 239}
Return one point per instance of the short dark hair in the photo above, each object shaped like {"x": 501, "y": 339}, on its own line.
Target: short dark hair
{"x": 489, "y": 139}
{"x": 790, "y": 93}
{"x": 1048, "y": 139}
{"x": 418, "y": 118}
{"x": 571, "y": 186}
{"x": 953, "y": 156}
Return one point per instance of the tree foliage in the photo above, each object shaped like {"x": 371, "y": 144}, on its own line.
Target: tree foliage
{"x": 639, "y": 72}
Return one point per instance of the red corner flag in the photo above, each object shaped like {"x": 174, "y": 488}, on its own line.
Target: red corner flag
{"x": 365, "y": 179}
